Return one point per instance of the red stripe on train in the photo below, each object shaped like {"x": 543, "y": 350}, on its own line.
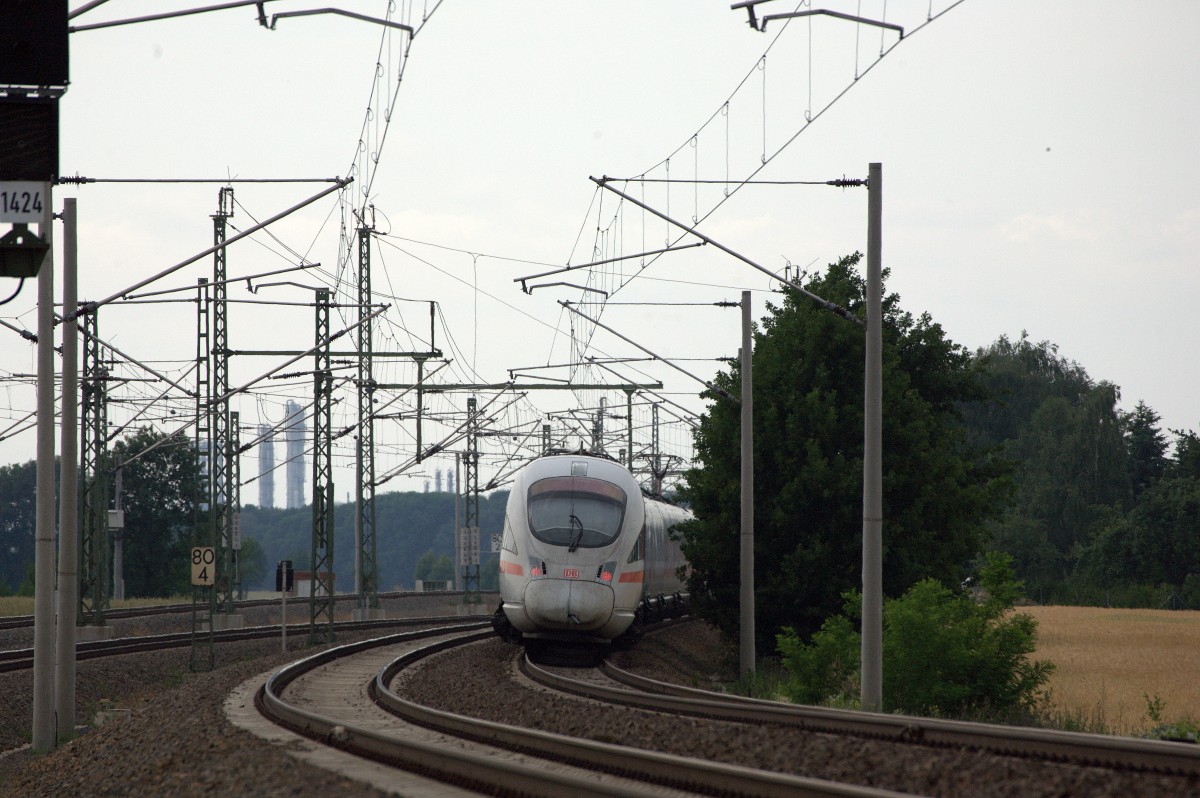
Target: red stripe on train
{"x": 507, "y": 567}
{"x": 632, "y": 576}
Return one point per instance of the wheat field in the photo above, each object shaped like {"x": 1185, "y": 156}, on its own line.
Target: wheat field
{"x": 1109, "y": 660}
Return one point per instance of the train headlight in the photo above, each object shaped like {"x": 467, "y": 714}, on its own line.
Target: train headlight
{"x": 536, "y": 567}
{"x": 605, "y": 572}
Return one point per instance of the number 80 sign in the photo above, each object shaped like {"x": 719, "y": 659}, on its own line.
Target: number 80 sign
{"x": 203, "y": 572}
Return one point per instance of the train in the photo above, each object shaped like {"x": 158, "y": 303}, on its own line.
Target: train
{"x": 585, "y": 555}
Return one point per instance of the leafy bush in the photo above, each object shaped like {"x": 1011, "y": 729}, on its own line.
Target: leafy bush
{"x": 1183, "y": 731}
{"x": 944, "y": 653}
{"x": 827, "y": 669}
{"x": 26, "y": 588}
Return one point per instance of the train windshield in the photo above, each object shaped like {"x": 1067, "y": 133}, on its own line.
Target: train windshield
{"x": 576, "y": 512}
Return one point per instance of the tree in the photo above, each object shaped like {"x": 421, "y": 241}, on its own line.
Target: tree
{"x": 434, "y": 568}
{"x": 18, "y": 517}
{"x": 808, "y": 438}
{"x": 1147, "y": 448}
{"x": 252, "y": 565}
{"x": 159, "y": 489}
{"x": 1066, "y": 439}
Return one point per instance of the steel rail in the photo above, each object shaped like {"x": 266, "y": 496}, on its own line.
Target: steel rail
{"x": 22, "y": 659}
{"x": 19, "y": 621}
{"x": 1046, "y": 744}
{"x": 453, "y": 765}
{"x": 710, "y": 778}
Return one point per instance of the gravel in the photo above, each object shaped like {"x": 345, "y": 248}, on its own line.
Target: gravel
{"x": 688, "y": 654}
{"x": 177, "y": 741}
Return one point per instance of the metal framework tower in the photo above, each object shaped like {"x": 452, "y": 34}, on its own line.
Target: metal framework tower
{"x": 629, "y": 429}
{"x": 203, "y": 596}
{"x": 598, "y": 429}
{"x": 93, "y": 450}
{"x": 469, "y": 533}
{"x": 235, "y": 505}
{"x": 221, "y": 454}
{"x": 655, "y": 460}
{"x": 320, "y": 601}
{"x": 366, "y": 569}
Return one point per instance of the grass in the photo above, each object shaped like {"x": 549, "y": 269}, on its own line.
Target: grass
{"x": 11, "y": 606}
{"x": 1120, "y": 670}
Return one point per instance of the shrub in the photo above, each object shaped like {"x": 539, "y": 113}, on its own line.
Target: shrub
{"x": 827, "y": 669}
{"x": 943, "y": 653}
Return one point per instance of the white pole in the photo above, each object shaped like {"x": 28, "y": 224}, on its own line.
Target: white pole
{"x": 872, "y": 552}
{"x": 44, "y": 733}
{"x": 68, "y": 519}
{"x": 746, "y": 588}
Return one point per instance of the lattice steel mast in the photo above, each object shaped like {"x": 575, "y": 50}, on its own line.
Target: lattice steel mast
{"x": 469, "y": 533}
{"x": 366, "y": 566}
{"x": 320, "y": 602}
{"x": 93, "y": 506}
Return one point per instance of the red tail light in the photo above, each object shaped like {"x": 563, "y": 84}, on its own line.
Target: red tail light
{"x": 606, "y": 576}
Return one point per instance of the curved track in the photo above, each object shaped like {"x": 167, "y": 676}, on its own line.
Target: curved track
{"x": 22, "y": 658}
{"x": 1118, "y": 753}
{"x": 511, "y": 760}
{"x": 22, "y": 621}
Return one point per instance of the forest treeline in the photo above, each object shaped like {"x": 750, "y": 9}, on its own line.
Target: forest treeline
{"x": 1104, "y": 504}
{"x": 414, "y": 531}
{"x": 1010, "y": 450}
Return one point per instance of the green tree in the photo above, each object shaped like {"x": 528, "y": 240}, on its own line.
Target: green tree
{"x": 1147, "y": 448}
{"x": 808, "y": 434}
{"x": 489, "y": 574}
{"x": 29, "y": 583}
{"x": 1066, "y": 438}
{"x": 18, "y": 515}
{"x": 252, "y": 565}
{"x": 1158, "y": 542}
{"x": 159, "y": 486}
{"x": 434, "y": 568}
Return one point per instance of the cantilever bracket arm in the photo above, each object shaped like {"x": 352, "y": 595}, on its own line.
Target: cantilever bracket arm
{"x": 362, "y": 17}
{"x": 762, "y": 27}
{"x": 529, "y": 289}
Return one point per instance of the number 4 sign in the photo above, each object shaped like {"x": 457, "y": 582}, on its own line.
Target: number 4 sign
{"x": 203, "y": 558}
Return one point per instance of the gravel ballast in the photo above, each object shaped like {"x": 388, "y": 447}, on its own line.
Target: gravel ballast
{"x": 486, "y": 688}
{"x": 178, "y": 742}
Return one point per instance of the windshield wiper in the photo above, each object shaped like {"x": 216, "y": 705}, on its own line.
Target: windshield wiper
{"x": 578, "y": 536}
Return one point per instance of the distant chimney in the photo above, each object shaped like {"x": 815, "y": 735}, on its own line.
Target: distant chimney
{"x": 266, "y": 467}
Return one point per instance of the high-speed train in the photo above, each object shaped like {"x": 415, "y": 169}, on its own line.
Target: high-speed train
{"x": 585, "y": 556}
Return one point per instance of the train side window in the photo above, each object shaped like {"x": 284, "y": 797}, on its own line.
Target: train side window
{"x": 509, "y": 541}
{"x": 639, "y": 549}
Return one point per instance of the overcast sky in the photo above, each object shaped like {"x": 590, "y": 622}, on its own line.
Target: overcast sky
{"x": 1039, "y": 176}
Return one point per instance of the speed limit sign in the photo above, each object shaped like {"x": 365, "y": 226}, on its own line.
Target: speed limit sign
{"x": 203, "y": 570}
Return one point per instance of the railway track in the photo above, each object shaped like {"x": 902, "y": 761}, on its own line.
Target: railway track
{"x": 1121, "y": 753}
{"x": 23, "y": 621}
{"x": 22, "y": 659}
{"x": 497, "y": 759}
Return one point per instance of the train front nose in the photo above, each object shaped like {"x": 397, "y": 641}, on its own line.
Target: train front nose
{"x": 568, "y": 604}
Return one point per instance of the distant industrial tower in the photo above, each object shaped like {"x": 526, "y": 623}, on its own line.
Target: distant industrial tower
{"x": 266, "y": 467}
{"x": 293, "y": 434}
{"x": 450, "y": 480}
{"x": 437, "y": 480}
